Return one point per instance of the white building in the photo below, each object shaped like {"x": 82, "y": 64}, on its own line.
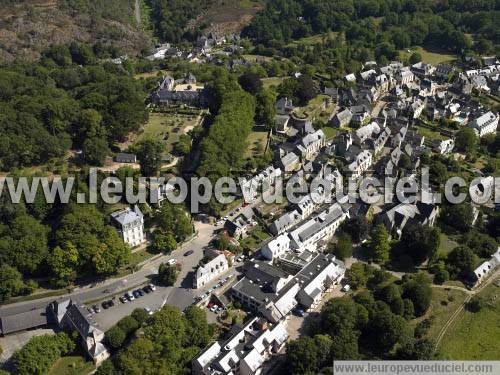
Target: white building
{"x": 484, "y": 269}
{"x": 244, "y": 352}
{"x": 361, "y": 163}
{"x": 277, "y": 247}
{"x": 210, "y": 271}
{"x": 317, "y": 278}
{"x": 130, "y": 224}
{"x": 443, "y": 147}
{"x": 320, "y": 228}
{"x": 311, "y": 144}
{"x": 485, "y": 124}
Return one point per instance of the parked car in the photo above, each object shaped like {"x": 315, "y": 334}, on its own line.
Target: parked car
{"x": 90, "y": 310}
{"x": 130, "y": 296}
{"x": 139, "y": 292}
{"x": 171, "y": 262}
{"x": 105, "y": 305}
{"x": 300, "y": 312}
{"x": 188, "y": 253}
{"x": 148, "y": 310}
{"x": 111, "y": 303}
{"x": 147, "y": 289}
{"x": 96, "y": 309}
{"x": 153, "y": 288}
{"x": 346, "y": 288}
{"x": 123, "y": 299}
{"x": 136, "y": 293}
{"x": 214, "y": 308}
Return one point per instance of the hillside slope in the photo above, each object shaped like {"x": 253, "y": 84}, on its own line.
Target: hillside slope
{"x": 27, "y": 27}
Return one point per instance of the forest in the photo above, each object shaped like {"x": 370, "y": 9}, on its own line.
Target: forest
{"x": 379, "y": 28}
{"x": 66, "y": 101}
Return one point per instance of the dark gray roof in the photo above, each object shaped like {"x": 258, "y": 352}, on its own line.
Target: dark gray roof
{"x": 22, "y": 321}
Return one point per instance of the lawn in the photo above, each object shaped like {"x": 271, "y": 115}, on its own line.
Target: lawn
{"x": 429, "y": 134}
{"x": 254, "y": 239}
{"x": 256, "y": 142}
{"x": 443, "y": 305}
{"x": 154, "y": 73}
{"x": 168, "y": 127}
{"x": 431, "y": 57}
{"x": 447, "y": 244}
{"x": 314, "y": 39}
{"x": 316, "y": 108}
{"x": 72, "y": 365}
{"x": 272, "y": 81}
{"x": 329, "y": 132}
{"x": 475, "y": 336}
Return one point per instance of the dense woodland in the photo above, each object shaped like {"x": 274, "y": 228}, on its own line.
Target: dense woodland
{"x": 371, "y": 30}
{"x": 66, "y": 101}
{"x": 372, "y": 324}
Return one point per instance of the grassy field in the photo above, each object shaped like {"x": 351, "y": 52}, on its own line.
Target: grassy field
{"x": 314, "y": 39}
{"x": 447, "y": 244}
{"x": 443, "y": 305}
{"x": 255, "y": 58}
{"x": 330, "y": 132}
{"x": 272, "y": 81}
{"x": 475, "y": 336}
{"x": 314, "y": 109}
{"x": 167, "y": 127}
{"x": 155, "y": 73}
{"x": 254, "y": 239}
{"x": 256, "y": 142}
{"x": 428, "y": 133}
{"x": 72, "y": 365}
{"x": 430, "y": 57}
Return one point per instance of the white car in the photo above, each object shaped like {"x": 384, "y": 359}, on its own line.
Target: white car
{"x": 214, "y": 308}
{"x": 130, "y": 296}
{"x": 346, "y": 288}
{"x": 148, "y": 310}
{"x": 152, "y": 287}
{"x": 171, "y": 262}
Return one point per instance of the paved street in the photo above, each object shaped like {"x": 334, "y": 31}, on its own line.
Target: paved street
{"x": 108, "y": 288}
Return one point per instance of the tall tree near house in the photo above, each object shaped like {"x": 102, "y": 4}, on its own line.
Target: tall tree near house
{"x": 343, "y": 247}
{"x": 149, "y": 153}
{"x": 265, "y": 112}
{"x": 250, "y": 82}
{"x": 379, "y": 244}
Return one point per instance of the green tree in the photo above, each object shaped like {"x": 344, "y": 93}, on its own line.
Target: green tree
{"x": 95, "y": 150}
{"x": 149, "y": 153}
{"x": 40, "y": 353}
{"x": 302, "y": 356}
{"x": 345, "y": 345}
{"x": 11, "y": 282}
{"x": 250, "y": 82}
{"x": 414, "y": 58}
{"x": 420, "y": 242}
{"x": 167, "y": 274}
{"x": 358, "y": 227}
{"x": 475, "y": 304}
{"x": 115, "y": 337}
{"x": 419, "y": 291}
{"x": 466, "y": 141}
{"x": 461, "y": 262}
{"x": 164, "y": 243}
{"x": 198, "y": 329}
{"x": 63, "y": 262}
{"x": 265, "y": 111}
{"x": 343, "y": 247}
{"x": 458, "y": 216}
{"x": 379, "y": 244}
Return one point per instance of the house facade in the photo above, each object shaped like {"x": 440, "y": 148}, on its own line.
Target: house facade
{"x": 210, "y": 271}
{"x": 130, "y": 225}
